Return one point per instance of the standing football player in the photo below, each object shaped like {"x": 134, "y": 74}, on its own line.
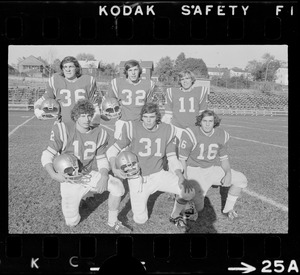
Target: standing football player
{"x": 67, "y": 88}
{"x": 200, "y": 148}
{"x": 150, "y": 140}
{"x": 184, "y": 103}
{"x": 88, "y": 146}
{"x": 132, "y": 92}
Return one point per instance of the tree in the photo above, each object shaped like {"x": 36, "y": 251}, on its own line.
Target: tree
{"x": 264, "y": 70}
{"x": 56, "y": 65}
{"x": 108, "y": 69}
{"x": 85, "y": 56}
{"x": 165, "y": 70}
{"x": 179, "y": 62}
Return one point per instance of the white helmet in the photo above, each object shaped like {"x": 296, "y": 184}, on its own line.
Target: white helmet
{"x": 69, "y": 166}
{"x": 51, "y": 108}
{"x": 110, "y": 108}
{"x": 128, "y": 163}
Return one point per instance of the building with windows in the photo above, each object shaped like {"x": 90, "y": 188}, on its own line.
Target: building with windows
{"x": 32, "y": 66}
{"x": 216, "y": 72}
{"x": 90, "y": 67}
{"x": 237, "y": 72}
{"x": 282, "y": 76}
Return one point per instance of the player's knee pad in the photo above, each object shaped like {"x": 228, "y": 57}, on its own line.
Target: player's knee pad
{"x": 115, "y": 186}
{"x": 241, "y": 181}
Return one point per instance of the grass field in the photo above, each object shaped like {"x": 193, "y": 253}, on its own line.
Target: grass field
{"x": 258, "y": 148}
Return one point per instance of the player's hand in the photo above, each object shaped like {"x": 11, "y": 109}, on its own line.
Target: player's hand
{"x": 58, "y": 177}
{"x": 166, "y": 118}
{"x": 226, "y": 180}
{"x": 186, "y": 186}
{"x": 119, "y": 173}
{"x": 39, "y": 113}
{"x": 102, "y": 184}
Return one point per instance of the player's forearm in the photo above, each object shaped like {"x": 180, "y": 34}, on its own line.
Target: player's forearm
{"x": 111, "y": 155}
{"x": 103, "y": 172}
{"x": 112, "y": 162}
{"x": 49, "y": 168}
{"x": 183, "y": 163}
{"x": 226, "y": 166}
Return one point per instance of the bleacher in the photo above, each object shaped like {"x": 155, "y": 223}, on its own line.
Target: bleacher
{"x": 248, "y": 104}
{"x": 23, "y": 98}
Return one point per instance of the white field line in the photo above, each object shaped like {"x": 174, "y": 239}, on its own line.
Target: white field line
{"x": 15, "y": 129}
{"x": 262, "y": 122}
{"x": 265, "y": 199}
{"x": 238, "y": 126}
{"x": 255, "y": 141}
{"x": 282, "y": 120}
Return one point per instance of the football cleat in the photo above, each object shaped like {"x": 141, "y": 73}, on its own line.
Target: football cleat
{"x": 180, "y": 223}
{"x": 231, "y": 214}
{"x": 120, "y": 228}
{"x": 110, "y": 108}
{"x": 158, "y": 96}
{"x": 51, "y": 108}
{"x": 190, "y": 212}
{"x": 128, "y": 163}
{"x": 68, "y": 165}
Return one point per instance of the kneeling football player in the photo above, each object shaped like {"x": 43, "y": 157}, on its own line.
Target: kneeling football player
{"x": 69, "y": 159}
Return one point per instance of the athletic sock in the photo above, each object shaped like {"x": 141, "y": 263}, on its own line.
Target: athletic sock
{"x": 178, "y": 207}
{"x": 112, "y": 217}
{"x": 230, "y": 202}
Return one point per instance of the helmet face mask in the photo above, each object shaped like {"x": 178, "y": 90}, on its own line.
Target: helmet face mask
{"x": 68, "y": 165}
{"x": 111, "y": 108}
{"x": 128, "y": 163}
{"x": 51, "y": 108}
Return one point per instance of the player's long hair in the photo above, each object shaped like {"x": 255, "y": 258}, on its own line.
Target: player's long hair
{"x": 186, "y": 73}
{"x": 149, "y": 108}
{"x": 205, "y": 113}
{"x": 82, "y": 106}
{"x": 131, "y": 63}
{"x": 73, "y": 60}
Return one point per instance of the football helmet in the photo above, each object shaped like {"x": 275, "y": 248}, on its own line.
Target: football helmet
{"x": 128, "y": 163}
{"x": 69, "y": 166}
{"x": 111, "y": 108}
{"x": 158, "y": 95}
{"x": 51, "y": 108}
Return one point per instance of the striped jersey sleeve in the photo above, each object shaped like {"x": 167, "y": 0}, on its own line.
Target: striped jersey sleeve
{"x": 169, "y": 103}
{"x": 223, "y": 151}
{"x": 187, "y": 144}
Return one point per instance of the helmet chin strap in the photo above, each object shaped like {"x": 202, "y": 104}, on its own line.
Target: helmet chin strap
{"x": 79, "y": 179}
{"x": 49, "y": 116}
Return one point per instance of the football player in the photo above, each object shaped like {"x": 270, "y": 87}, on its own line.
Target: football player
{"x": 184, "y": 103}
{"x": 132, "y": 92}
{"x": 67, "y": 88}
{"x": 150, "y": 140}
{"x": 88, "y": 145}
{"x": 200, "y": 148}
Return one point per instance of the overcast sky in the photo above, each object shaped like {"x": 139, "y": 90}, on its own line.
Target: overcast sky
{"x": 223, "y": 55}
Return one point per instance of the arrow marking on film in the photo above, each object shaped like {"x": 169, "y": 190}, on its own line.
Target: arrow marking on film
{"x": 246, "y": 269}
